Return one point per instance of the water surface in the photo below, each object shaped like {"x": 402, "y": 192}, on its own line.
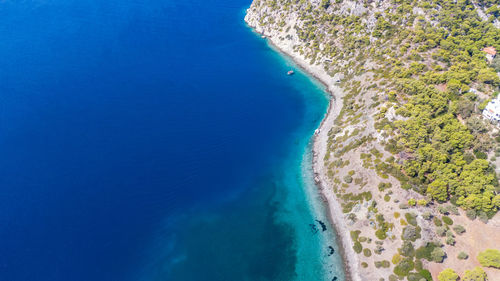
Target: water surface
{"x": 153, "y": 140}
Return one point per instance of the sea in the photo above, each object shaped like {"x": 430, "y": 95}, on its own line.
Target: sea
{"x": 155, "y": 140}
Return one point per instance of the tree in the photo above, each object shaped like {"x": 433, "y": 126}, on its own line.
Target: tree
{"x": 448, "y": 275}
{"x": 476, "y": 274}
{"x": 489, "y": 258}
{"x": 437, "y": 254}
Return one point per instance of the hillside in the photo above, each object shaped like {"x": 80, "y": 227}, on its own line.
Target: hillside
{"x": 405, "y": 158}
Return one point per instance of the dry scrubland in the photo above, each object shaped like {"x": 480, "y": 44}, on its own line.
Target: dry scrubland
{"x": 404, "y": 158}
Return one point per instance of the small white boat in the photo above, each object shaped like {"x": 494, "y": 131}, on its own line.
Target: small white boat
{"x": 263, "y": 37}
{"x": 290, "y": 72}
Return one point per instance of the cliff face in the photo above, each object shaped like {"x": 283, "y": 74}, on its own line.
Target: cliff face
{"x": 394, "y": 155}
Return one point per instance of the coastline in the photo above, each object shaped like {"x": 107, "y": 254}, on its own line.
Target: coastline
{"x": 320, "y": 138}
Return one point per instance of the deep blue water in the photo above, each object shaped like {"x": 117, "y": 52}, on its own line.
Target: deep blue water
{"x": 153, "y": 140}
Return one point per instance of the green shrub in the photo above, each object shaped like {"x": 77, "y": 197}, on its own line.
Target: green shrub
{"x": 425, "y": 274}
{"x": 483, "y": 217}
{"x": 437, "y": 221}
{"x": 411, "y": 233}
{"x": 348, "y": 179}
{"x": 367, "y": 252}
{"x": 448, "y": 275}
{"x": 396, "y": 258}
{"x": 437, "y": 254}
{"x": 447, "y": 220}
{"x": 462, "y": 256}
{"x": 404, "y": 267}
{"x": 471, "y": 214}
{"x": 459, "y": 229}
{"x": 489, "y": 258}
{"x": 357, "y": 247}
{"x": 411, "y": 218}
{"x": 407, "y": 249}
{"x": 365, "y": 265}
{"x": 425, "y": 252}
{"x": 450, "y": 240}
{"x": 441, "y": 231}
{"x": 355, "y": 235}
{"x": 381, "y": 234}
{"x": 427, "y": 215}
{"x": 412, "y": 202}
{"x": 476, "y": 274}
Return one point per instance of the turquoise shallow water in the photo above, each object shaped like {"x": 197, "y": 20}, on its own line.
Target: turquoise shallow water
{"x": 154, "y": 140}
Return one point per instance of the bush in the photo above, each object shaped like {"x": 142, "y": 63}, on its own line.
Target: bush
{"x": 355, "y": 235}
{"x": 437, "y": 254}
{"x": 459, "y": 229}
{"x": 411, "y": 233}
{"x": 489, "y": 258}
{"x": 462, "y": 255}
{"x": 365, "y": 265}
{"x": 411, "y": 218}
{"x": 471, "y": 214}
{"x": 348, "y": 179}
{"x": 483, "y": 217}
{"x": 357, "y": 247}
{"x": 450, "y": 240}
{"x": 443, "y": 210}
{"x": 447, "y": 220}
{"x": 426, "y": 274}
{"x": 427, "y": 215}
{"x": 407, "y": 249}
{"x": 403, "y": 206}
{"x": 476, "y": 274}
{"x": 422, "y": 202}
{"x": 437, "y": 221}
{"x": 396, "y": 258}
{"x": 424, "y": 252}
{"x": 367, "y": 252}
{"x": 448, "y": 275}
{"x": 404, "y": 267}
{"x": 412, "y": 202}
{"x": 381, "y": 234}
{"x": 441, "y": 231}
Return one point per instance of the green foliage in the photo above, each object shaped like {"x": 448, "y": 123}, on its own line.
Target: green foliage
{"x": 407, "y": 249}
{"x": 448, "y": 275}
{"x": 459, "y": 229}
{"x": 462, "y": 255}
{"x": 437, "y": 221}
{"x": 367, "y": 252}
{"x": 426, "y": 274}
{"x": 357, "y": 247}
{"x": 348, "y": 179}
{"x": 404, "y": 267}
{"x": 476, "y": 274}
{"x": 355, "y": 234}
{"x": 396, "y": 258}
{"x": 489, "y": 258}
{"x": 411, "y": 218}
{"x": 412, "y": 202}
{"x": 447, "y": 220}
{"x": 437, "y": 254}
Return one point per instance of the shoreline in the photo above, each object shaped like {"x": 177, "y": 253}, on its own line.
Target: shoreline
{"x": 320, "y": 138}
